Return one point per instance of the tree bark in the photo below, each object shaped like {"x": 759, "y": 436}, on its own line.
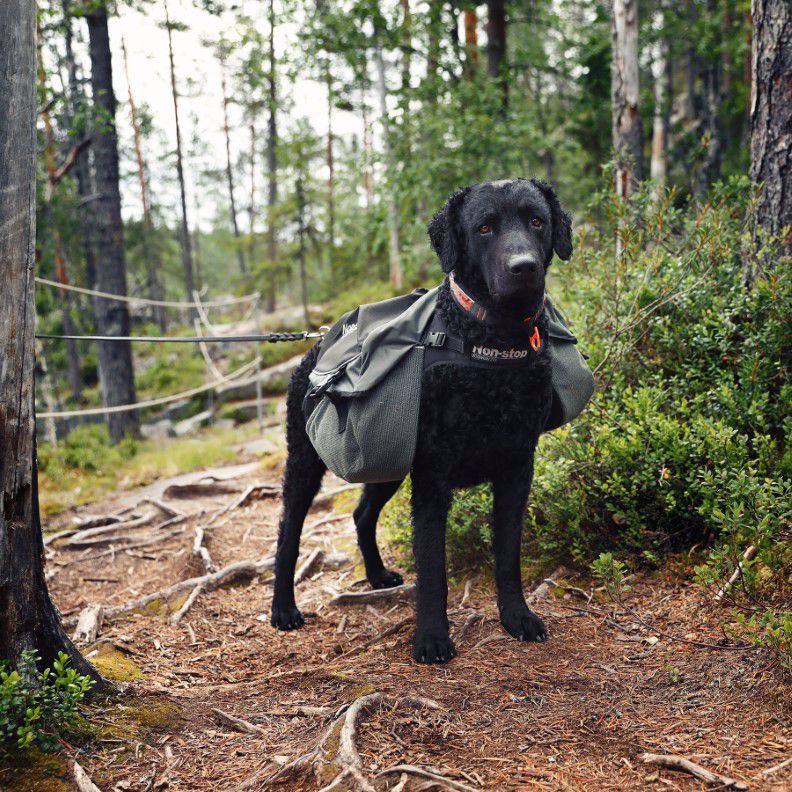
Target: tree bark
{"x": 186, "y": 246}
{"x": 331, "y": 219}
{"x": 626, "y": 118}
{"x": 116, "y": 373}
{"x": 301, "y": 248}
{"x": 661, "y": 74}
{"x": 471, "y": 41}
{"x": 496, "y": 48}
{"x": 712, "y": 137}
{"x": 272, "y": 161}
{"x": 153, "y": 262}
{"x": 771, "y": 126}
{"x": 28, "y": 619}
{"x": 230, "y": 170}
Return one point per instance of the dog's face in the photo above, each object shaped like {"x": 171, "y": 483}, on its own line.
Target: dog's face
{"x": 499, "y": 237}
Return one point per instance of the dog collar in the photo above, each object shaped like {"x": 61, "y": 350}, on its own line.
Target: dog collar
{"x": 478, "y": 311}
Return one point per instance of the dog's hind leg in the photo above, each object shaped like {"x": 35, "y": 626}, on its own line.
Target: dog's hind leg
{"x": 301, "y": 482}
{"x": 510, "y": 491}
{"x": 374, "y": 497}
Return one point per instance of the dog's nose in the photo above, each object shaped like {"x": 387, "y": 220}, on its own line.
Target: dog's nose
{"x": 519, "y": 265}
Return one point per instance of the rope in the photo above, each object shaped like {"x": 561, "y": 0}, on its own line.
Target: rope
{"x": 151, "y": 402}
{"x": 145, "y": 300}
{"x": 268, "y": 337}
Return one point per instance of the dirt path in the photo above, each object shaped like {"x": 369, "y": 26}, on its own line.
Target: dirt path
{"x": 570, "y": 714}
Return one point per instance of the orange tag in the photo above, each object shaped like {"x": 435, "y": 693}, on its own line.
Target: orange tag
{"x": 535, "y": 340}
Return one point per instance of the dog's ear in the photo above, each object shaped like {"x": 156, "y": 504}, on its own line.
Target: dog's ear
{"x": 445, "y": 233}
{"x": 562, "y": 222}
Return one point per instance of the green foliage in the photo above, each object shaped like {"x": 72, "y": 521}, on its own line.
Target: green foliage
{"x": 87, "y": 447}
{"x": 37, "y": 705}
{"x": 468, "y": 532}
{"x": 612, "y": 574}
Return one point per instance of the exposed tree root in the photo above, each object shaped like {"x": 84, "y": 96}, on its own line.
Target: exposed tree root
{"x": 236, "y": 723}
{"x": 680, "y": 763}
{"x": 89, "y": 622}
{"x": 83, "y": 780}
{"x": 448, "y": 783}
{"x": 308, "y": 566}
{"x": 336, "y": 751}
{"x": 406, "y": 590}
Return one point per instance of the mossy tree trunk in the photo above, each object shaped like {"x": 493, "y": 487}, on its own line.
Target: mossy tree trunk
{"x": 28, "y": 619}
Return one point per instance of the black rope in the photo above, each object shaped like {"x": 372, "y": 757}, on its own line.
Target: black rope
{"x": 266, "y": 337}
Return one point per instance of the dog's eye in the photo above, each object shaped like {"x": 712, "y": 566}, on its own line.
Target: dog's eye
{"x": 485, "y": 229}
{"x": 537, "y": 222}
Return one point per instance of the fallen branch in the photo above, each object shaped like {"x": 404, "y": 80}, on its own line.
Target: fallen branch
{"x": 308, "y": 566}
{"x": 197, "y": 489}
{"x": 680, "y": 763}
{"x": 83, "y": 780}
{"x": 748, "y": 555}
{"x": 236, "y": 723}
{"x": 405, "y": 591}
{"x": 422, "y": 773}
{"x": 188, "y": 603}
{"x": 337, "y": 747}
{"x": 467, "y": 624}
{"x": 540, "y": 592}
{"x": 233, "y": 573}
{"x": 775, "y": 768}
{"x": 89, "y": 622}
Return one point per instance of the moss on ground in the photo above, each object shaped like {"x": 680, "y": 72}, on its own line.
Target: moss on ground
{"x": 115, "y": 665}
{"x": 35, "y": 771}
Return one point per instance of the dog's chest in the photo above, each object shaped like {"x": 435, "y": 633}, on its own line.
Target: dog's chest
{"x": 475, "y": 419}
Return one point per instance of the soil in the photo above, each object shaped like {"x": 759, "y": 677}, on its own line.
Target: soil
{"x": 574, "y": 713}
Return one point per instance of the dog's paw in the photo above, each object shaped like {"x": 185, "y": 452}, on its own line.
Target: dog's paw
{"x": 288, "y": 618}
{"x": 433, "y": 647}
{"x": 522, "y": 623}
{"x": 385, "y": 579}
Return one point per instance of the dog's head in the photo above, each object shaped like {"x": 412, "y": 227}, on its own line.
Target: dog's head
{"x": 499, "y": 238}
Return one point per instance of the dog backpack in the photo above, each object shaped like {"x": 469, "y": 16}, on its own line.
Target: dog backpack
{"x": 365, "y": 389}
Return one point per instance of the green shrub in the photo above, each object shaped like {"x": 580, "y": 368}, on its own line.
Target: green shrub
{"x": 37, "y": 705}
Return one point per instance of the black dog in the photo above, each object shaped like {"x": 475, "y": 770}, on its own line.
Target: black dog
{"x": 476, "y": 424}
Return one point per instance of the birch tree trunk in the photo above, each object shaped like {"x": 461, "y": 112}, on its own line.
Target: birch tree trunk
{"x": 116, "y": 373}
{"x": 272, "y": 161}
{"x": 627, "y": 132}
{"x": 771, "y": 126}
{"x": 186, "y": 246}
{"x": 28, "y": 619}
{"x": 661, "y": 74}
{"x": 230, "y": 170}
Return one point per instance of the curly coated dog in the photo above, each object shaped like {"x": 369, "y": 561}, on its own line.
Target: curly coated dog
{"x": 476, "y": 424}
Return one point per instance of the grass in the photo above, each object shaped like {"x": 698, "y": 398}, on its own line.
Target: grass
{"x": 62, "y": 486}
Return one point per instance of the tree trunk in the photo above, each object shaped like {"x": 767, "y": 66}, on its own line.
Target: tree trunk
{"x": 153, "y": 263}
{"x": 471, "y": 41}
{"x": 496, "y": 48}
{"x": 301, "y": 249}
{"x": 368, "y": 176}
{"x": 626, "y": 117}
{"x": 252, "y": 209}
{"x": 434, "y": 23}
{"x": 661, "y": 74}
{"x": 116, "y": 373}
{"x": 230, "y": 171}
{"x": 331, "y": 220}
{"x": 187, "y": 262}
{"x": 771, "y": 128}
{"x": 28, "y": 619}
{"x": 272, "y": 161}
{"x": 406, "y": 79}
{"x": 396, "y": 274}
{"x": 711, "y": 167}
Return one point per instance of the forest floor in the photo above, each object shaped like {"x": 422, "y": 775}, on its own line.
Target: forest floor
{"x": 574, "y": 713}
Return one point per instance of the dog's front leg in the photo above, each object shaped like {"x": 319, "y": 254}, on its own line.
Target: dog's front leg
{"x": 431, "y": 501}
{"x": 511, "y": 495}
